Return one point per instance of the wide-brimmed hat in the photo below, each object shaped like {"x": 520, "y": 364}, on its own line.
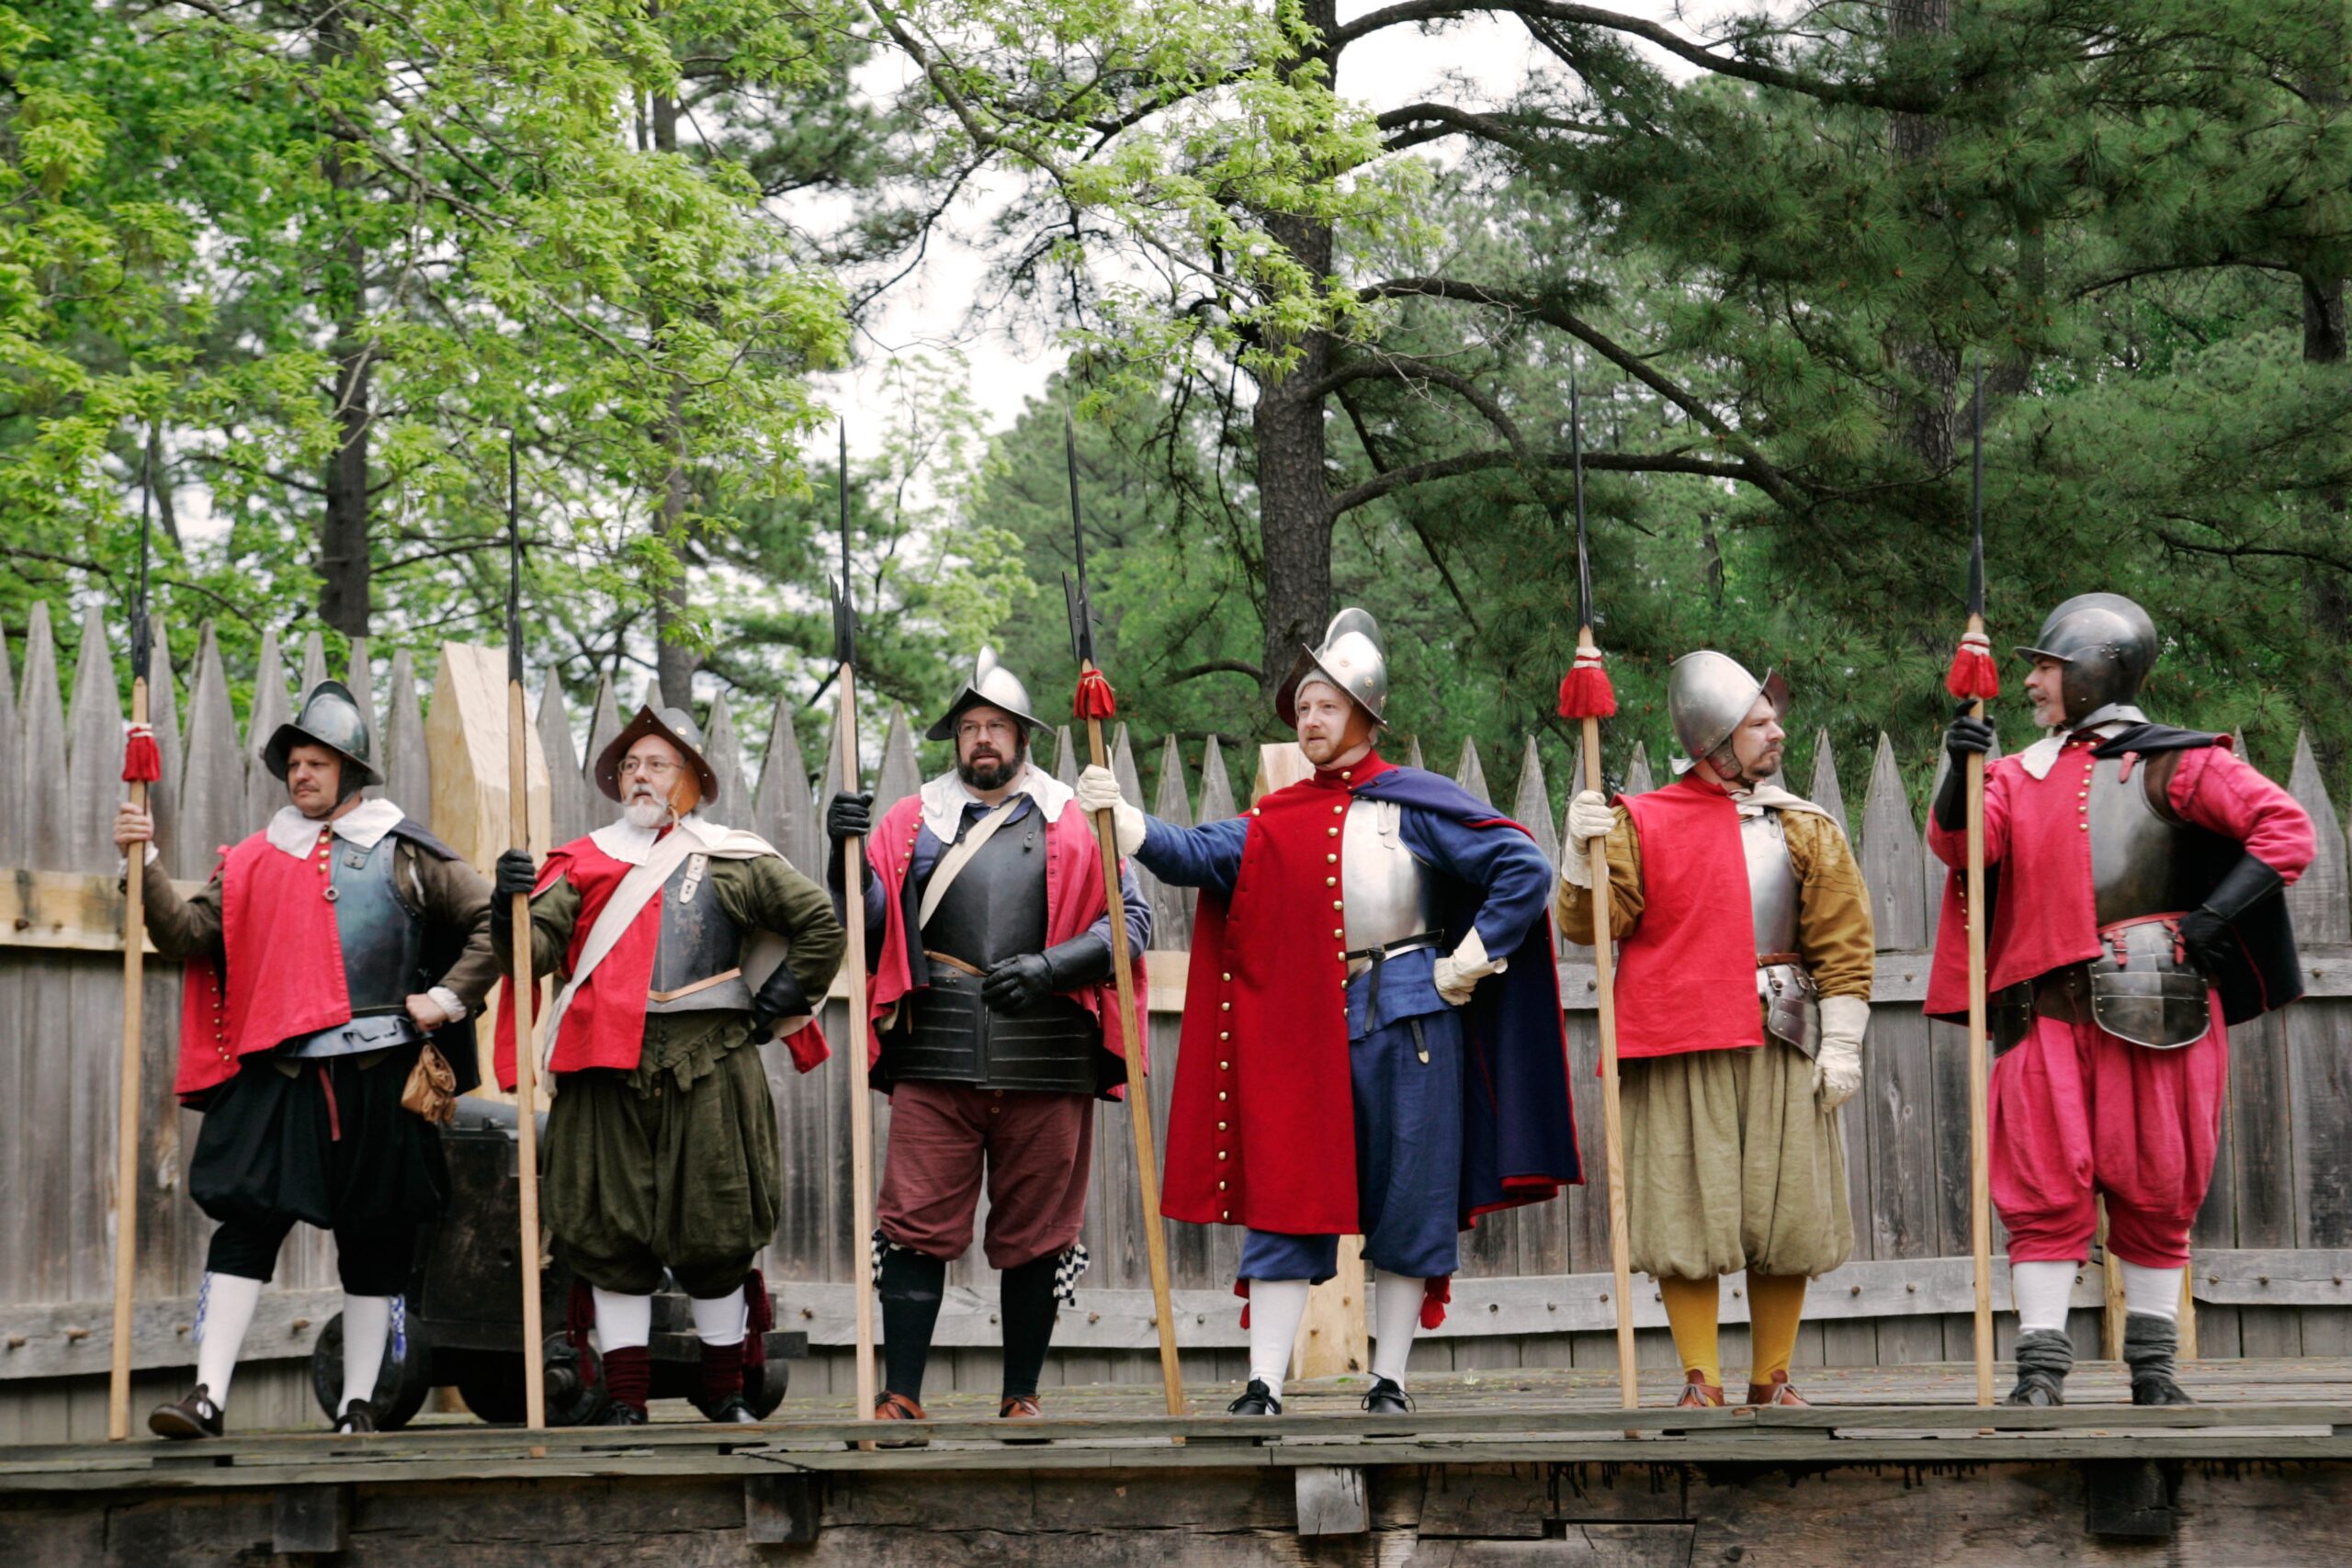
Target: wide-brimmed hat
{"x": 675, "y": 725}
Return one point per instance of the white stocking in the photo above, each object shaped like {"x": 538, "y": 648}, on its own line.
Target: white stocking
{"x": 2155, "y": 1292}
{"x": 222, "y": 1316}
{"x": 720, "y": 1320}
{"x": 366, "y": 1323}
{"x": 1276, "y": 1309}
{"x": 1396, "y": 1313}
{"x": 2043, "y": 1290}
{"x": 622, "y": 1321}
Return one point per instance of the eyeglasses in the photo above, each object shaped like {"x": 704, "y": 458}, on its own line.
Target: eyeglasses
{"x": 652, "y": 767}
{"x": 972, "y": 730}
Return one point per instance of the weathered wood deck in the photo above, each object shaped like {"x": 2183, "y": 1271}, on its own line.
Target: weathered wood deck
{"x": 1530, "y": 1466}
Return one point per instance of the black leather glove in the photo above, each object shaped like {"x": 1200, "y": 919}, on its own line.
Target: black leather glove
{"x": 847, "y": 817}
{"x": 518, "y": 872}
{"x": 1030, "y": 978}
{"x": 779, "y": 997}
{"x": 1965, "y": 736}
{"x": 2205, "y": 930}
{"x": 1017, "y": 983}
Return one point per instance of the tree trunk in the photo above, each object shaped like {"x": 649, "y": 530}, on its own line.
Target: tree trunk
{"x": 1294, "y": 484}
{"x": 1923, "y": 406}
{"x": 675, "y": 663}
{"x": 343, "y": 565}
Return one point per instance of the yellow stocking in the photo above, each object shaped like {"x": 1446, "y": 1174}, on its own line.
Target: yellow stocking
{"x": 1775, "y": 1305}
{"x": 1690, "y": 1312}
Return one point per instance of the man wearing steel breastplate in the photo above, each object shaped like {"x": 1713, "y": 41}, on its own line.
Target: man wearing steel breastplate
{"x": 679, "y": 946}
{"x": 2134, "y": 872}
{"x": 1743, "y": 990}
{"x": 996, "y": 1028}
{"x": 323, "y": 955}
{"x": 1371, "y": 1041}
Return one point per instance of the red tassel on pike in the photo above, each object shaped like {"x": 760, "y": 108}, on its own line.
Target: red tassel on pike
{"x": 1972, "y": 673}
{"x": 1585, "y": 692}
{"x": 1095, "y": 699}
{"x": 141, "y": 763}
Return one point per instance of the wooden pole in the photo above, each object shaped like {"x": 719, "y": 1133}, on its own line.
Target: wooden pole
{"x": 526, "y": 1063}
{"x": 1613, "y": 1125}
{"x": 861, "y": 1100}
{"x": 1980, "y": 1206}
{"x": 126, "y": 1154}
{"x": 1132, "y": 1023}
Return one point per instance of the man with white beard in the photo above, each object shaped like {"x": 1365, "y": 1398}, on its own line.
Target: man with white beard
{"x": 323, "y": 957}
{"x": 662, "y": 1145}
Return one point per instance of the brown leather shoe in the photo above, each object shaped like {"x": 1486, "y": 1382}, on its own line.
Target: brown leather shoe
{"x": 1020, "y": 1408}
{"x": 193, "y": 1416}
{"x": 1698, "y": 1394}
{"x": 889, "y": 1406}
{"x": 1778, "y": 1392}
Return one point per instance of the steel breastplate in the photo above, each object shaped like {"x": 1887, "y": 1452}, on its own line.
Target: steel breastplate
{"x": 699, "y": 939}
{"x": 1385, "y": 890}
{"x": 996, "y": 907}
{"x": 383, "y": 950}
{"x": 1792, "y": 1011}
{"x": 994, "y": 910}
{"x": 2138, "y": 862}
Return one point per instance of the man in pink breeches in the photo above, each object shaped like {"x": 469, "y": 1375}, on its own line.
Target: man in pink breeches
{"x": 2134, "y": 873}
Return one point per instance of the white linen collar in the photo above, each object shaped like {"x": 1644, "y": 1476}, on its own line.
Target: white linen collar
{"x": 364, "y": 825}
{"x": 630, "y": 844}
{"x": 2038, "y": 758}
{"x": 945, "y": 798}
{"x": 1758, "y": 799}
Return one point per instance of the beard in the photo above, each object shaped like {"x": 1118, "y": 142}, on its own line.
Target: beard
{"x": 992, "y": 773}
{"x": 644, "y": 811}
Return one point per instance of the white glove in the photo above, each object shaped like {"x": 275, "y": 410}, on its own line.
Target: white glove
{"x": 1590, "y": 818}
{"x": 1098, "y": 790}
{"x": 1459, "y": 971}
{"x": 1837, "y": 1064}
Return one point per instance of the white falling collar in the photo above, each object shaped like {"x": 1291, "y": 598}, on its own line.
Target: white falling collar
{"x": 945, "y": 798}
{"x": 364, "y": 825}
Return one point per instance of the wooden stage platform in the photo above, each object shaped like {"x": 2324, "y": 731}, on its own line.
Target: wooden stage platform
{"x": 1891, "y": 1465}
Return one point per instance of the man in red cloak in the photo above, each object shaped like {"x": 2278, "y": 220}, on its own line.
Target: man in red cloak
{"x": 1371, "y": 1040}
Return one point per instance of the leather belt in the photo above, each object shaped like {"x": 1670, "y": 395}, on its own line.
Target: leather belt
{"x": 703, "y": 985}
{"x": 2064, "y": 994}
{"x": 955, "y": 964}
{"x": 1376, "y": 957}
{"x": 1766, "y": 960}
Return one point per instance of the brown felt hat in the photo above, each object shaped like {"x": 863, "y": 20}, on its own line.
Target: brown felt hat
{"x": 674, "y": 725}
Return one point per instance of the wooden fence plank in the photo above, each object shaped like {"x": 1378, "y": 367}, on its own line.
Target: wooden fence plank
{"x": 900, "y": 774}
{"x": 314, "y": 660}
{"x": 1824, "y": 791}
{"x": 1171, "y": 907}
{"x": 265, "y": 793}
{"x": 48, "y": 1171}
{"x": 1470, "y": 773}
{"x": 213, "y": 775}
{"x": 604, "y": 723}
{"x": 12, "y": 833}
{"x": 359, "y": 673}
{"x": 92, "y": 1023}
{"x": 1065, "y": 763}
{"x": 571, "y": 812}
{"x": 784, "y": 811}
{"x": 1638, "y": 772}
{"x": 724, "y": 752}
{"x": 407, "y": 767}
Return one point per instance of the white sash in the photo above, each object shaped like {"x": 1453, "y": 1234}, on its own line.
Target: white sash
{"x": 619, "y": 913}
{"x": 959, "y": 855}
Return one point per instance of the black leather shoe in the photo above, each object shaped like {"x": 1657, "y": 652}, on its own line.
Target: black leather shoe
{"x": 1387, "y": 1397}
{"x": 358, "y": 1417}
{"x": 194, "y": 1417}
{"x": 1256, "y": 1400}
{"x": 732, "y": 1410}
{"x": 618, "y": 1413}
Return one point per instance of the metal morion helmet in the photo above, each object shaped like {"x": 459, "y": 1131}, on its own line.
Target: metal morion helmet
{"x": 1707, "y": 695}
{"x": 2108, "y": 645}
{"x": 331, "y": 716}
{"x": 990, "y": 684}
{"x": 1352, "y": 657}
{"x": 675, "y": 725}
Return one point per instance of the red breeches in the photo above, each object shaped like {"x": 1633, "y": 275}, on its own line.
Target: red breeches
{"x": 2077, "y": 1113}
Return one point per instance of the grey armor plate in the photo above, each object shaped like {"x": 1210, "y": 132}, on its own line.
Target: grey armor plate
{"x": 698, "y": 939}
{"x": 2150, "y": 996}
{"x": 995, "y": 910}
{"x": 1791, "y": 1008}
{"x": 1385, "y": 890}
{"x": 2138, "y": 865}
{"x": 383, "y": 947}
